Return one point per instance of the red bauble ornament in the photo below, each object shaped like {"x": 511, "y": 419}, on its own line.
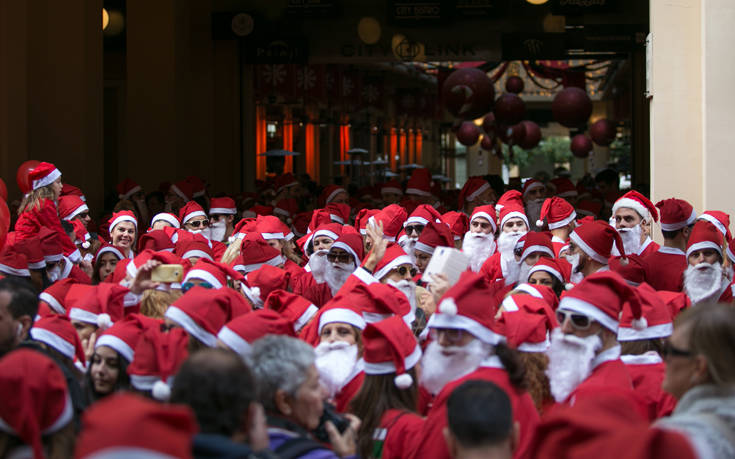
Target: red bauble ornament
{"x": 603, "y": 132}
{"x": 571, "y": 107}
{"x": 514, "y": 84}
{"x": 3, "y": 190}
{"x": 488, "y": 123}
{"x": 487, "y": 142}
{"x": 509, "y": 109}
{"x": 468, "y": 133}
{"x": 21, "y": 177}
{"x": 532, "y": 137}
{"x": 581, "y": 146}
{"x": 468, "y": 93}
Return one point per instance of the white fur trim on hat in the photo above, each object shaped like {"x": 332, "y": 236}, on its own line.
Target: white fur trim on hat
{"x": 543, "y": 346}
{"x": 679, "y": 225}
{"x": 203, "y": 275}
{"x": 536, "y": 248}
{"x": 514, "y": 214}
{"x": 275, "y": 261}
{"x": 417, "y": 191}
{"x": 188, "y": 324}
{"x": 487, "y": 217}
{"x": 117, "y": 344}
{"x": 655, "y": 331}
{"x": 234, "y": 341}
{"x": 472, "y": 196}
{"x": 632, "y": 204}
{"x": 222, "y": 211}
{"x": 587, "y": 249}
{"x": 47, "y": 180}
{"x": 396, "y": 262}
{"x": 390, "y": 189}
{"x": 324, "y": 232}
{"x": 533, "y": 186}
{"x": 123, "y": 218}
{"x": 343, "y": 315}
{"x": 110, "y": 249}
{"x": 703, "y": 245}
{"x": 75, "y": 212}
{"x": 424, "y": 247}
{"x": 130, "y": 192}
{"x": 168, "y": 218}
{"x": 83, "y": 316}
{"x": 715, "y": 222}
{"x": 561, "y": 223}
{"x": 348, "y": 249}
{"x": 415, "y": 219}
{"x": 52, "y": 339}
{"x": 197, "y": 253}
{"x": 383, "y": 368}
{"x": 528, "y": 288}
{"x": 334, "y": 193}
{"x": 190, "y": 215}
{"x": 573, "y": 304}
{"x": 23, "y": 272}
{"x": 459, "y": 322}
{"x": 305, "y": 317}
{"x": 268, "y": 236}
{"x": 53, "y": 302}
{"x": 548, "y": 269}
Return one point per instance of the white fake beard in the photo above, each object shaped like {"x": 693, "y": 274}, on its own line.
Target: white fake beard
{"x": 335, "y": 362}
{"x": 728, "y": 272}
{"x": 703, "y": 282}
{"x": 507, "y": 242}
{"x": 479, "y": 247}
{"x": 408, "y": 245}
{"x": 217, "y": 230}
{"x": 438, "y": 369}
{"x": 533, "y": 210}
{"x": 576, "y": 276}
{"x": 524, "y": 272}
{"x": 318, "y": 264}
{"x": 408, "y": 288}
{"x": 53, "y": 273}
{"x": 336, "y": 275}
{"x": 204, "y": 232}
{"x": 570, "y": 362}
{"x": 511, "y": 269}
{"x": 631, "y": 238}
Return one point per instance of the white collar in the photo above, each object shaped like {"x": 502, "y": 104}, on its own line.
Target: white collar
{"x": 645, "y": 244}
{"x": 649, "y": 358}
{"x": 672, "y": 251}
{"x": 606, "y": 356}
{"x": 491, "y": 361}
{"x": 557, "y": 239}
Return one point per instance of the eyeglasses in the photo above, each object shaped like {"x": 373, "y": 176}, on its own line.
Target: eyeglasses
{"x": 414, "y": 229}
{"x": 402, "y": 270}
{"x": 340, "y": 258}
{"x": 198, "y": 223}
{"x": 670, "y": 350}
{"x": 453, "y": 335}
{"x": 579, "y": 321}
{"x": 186, "y": 286}
{"x": 83, "y": 215}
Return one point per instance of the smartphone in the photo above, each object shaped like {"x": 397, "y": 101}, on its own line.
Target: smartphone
{"x": 448, "y": 261}
{"x": 167, "y": 273}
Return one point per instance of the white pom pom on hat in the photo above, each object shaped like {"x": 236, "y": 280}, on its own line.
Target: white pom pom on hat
{"x": 448, "y": 306}
{"x": 104, "y": 321}
{"x": 640, "y": 324}
{"x": 539, "y": 223}
{"x": 161, "y": 391}
{"x": 403, "y": 381}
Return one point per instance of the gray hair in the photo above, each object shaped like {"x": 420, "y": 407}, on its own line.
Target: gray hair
{"x": 280, "y": 363}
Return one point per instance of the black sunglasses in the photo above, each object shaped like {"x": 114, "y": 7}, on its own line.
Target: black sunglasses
{"x": 670, "y": 350}
{"x": 341, "y": 258}
{"x": 402, "y": 270}
{"x": 414, "y": 229}
{"x": 198, "y": 223}
{"x": 579, "y": 321}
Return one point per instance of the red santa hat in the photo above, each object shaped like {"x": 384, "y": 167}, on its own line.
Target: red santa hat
{"x": 329, "y": 193}
{"x": 284, "y": 181}
{"x": 676, "y": 214}
{"x": 557, "y": 212}
{"x": 261, "y": 282}
{"x": 190, "y": 210}
{"x": 350, "y": 242}
{"x": 589, "y": 208}
{"x": 535, "y": 241}
{"x": 30, "y": 247}
{"x": 704, "y": 235}
{"x": 342, "y": 308}
{"x": 422, "y": 215}
{"x": 212, "y": 272}
{"x": 271, "y": 227}
{"x": 657, "y": 313}
{"x": 222, "y": 206}
{"x": 158, "y": 356}
{"x": 81, "y": 235}
{"x": 380, "y": 301}
{"x": 596, "y": 239}
{"x": 55, "y": 295}
{"x": 100, "y": 305}
{"x": 193, "y": 249}
{"x": 730, "y": 250}
{"x": 362, "y": 217}
{"x": 392, "y": 218}
{"x": 338, "y": 212}
{"x": 527, "y": 327}
{"x": 318, "y": 218}
{"x": 107, "y": 248}
{"x": 488, "y": 213}
{"x": 182, "y": 189}
{"x": 636, "y": 201}
{"x": 167, "y": 217}
{"x": 601, "y": 296}
{"x": 473, "y": 187}
{"x": 632, "y": 268}
{"x": 50, "y": 245}
{"x": 139, "y": 428}
{"x": 721, "y": 220}
{"x": 36, "y": 400}
{"x": 331, "y": 230}
{"x": 241, "y": 332}
{"x": 202, "y": 312}
{"x": 390, "y": 347}
{"x": 542, "y": 292}
{"x": 419, "y": 183}
{"x": 71, "y": 190}
{"x": 297, "y": 309}
{"x": 122, "y": 216}
{"x": 127, "y": 188}
{"x": 465, "y": 307}
{"x": 198, "y": 187}
{"x": 256, "y": 252}
{"x": 394, "y": 257}
{"x": 58, "y": 332}
{"x": 434, "y": 235}
{"x": 156, "y": 240}
{"x": 43, "y": 175}
{"x": 512, "y": 211}
{"x": 513, "y": 197}
{"x": 531, "y": 184}
{"x": 458, "y": 223}
{"x": 70, "y": 206}
{"x": 13, "y": 262}
{"x": 559, "y": 269}
{"x": 123, "y": 337}
{"x": 300, "y": 223}
{"x": 286, "y": 208}
{"x": 391, "y": 186}
{"x": 564, "y": 187}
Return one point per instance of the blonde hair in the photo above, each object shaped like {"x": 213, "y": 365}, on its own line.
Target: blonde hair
{"x": 32, "y": 200}
{"x": 233, "y": 250}
{"x": 155, "y": 302}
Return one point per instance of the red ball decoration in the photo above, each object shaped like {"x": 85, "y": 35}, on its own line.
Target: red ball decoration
{"x": 468, "y": 93}
{"x": 571, "y": 107}
{"x": 514, "y": 84}
{"x": 3, "y": 190}
{"x": 488, "y": 123}
{"x": 603, "y": 132}
{"x": 468, "y": 133}
{"x": 21, "y": 177}
{"x": 509, "y": 109}
{"x": 532, "y": 137}
{"x": 581, "y": 146}
{"x": 487, "y": 142}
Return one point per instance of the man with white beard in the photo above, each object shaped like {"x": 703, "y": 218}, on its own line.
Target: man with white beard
{"x": 395, "y": 268}
{"x": 479, "y": 241}
{"x": 503, "y": 265}
{"x": 343, "y": 258}
{"x": 633, "y": 217}
{"x": 704, "y": 278}
{"x": 465, "y": 345}
{"x": 534, "y": 193}
{"x": 319, "y": 244}
{"x": 590, "y": 245}
{"x": 222, "y": 218}
{"x": 584, "y": 356}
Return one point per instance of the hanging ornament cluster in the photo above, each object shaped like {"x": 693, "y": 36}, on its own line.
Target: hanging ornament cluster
{"x": 468, "y": 93}
{"x": 571, "y": 107}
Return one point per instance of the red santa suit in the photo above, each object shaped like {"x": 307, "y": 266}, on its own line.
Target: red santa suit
{"x": 31, "y": 220}
{"x": 648, "y": 247}
{"x": 647, "y": 373}
{"x": 665, "y": 269}
{"x": 608, "y": 373}
{"x": 495, "y": 268}
{"x": 305, "y": 285}
{"x": 430, "y": 442}
{"x": 559, "y": 245}
{"x": 292, "y": 268}
{"x": 72, "y": 271}
{"x": 347, "y": 392}
{"x": 727, "y": 294}
{"x": 395, "y": 433}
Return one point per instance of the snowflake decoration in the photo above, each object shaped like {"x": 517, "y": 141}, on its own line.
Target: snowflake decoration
{"x": 306, "y": 78}
{"x": 274, "y": 74}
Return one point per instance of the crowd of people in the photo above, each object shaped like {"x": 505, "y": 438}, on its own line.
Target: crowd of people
{"x": 298, "y": 321}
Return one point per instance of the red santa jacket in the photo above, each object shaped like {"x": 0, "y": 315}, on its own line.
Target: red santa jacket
{"x": 647, "y": 373}
{"x": 648, "y": 248}
{"x": 492, "y": 268}
{"x": 608, "y": 374}
{"x": 395, "y": 433}
{"x": 345, "y": 395}
{"x": 430, "y": 441}
{"x": 31, "y": 220}
{"x": 558, "y": 245}
{"x": 665, "y": 269}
